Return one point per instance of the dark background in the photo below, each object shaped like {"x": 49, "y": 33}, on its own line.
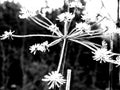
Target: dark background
{"x": 21, "y": 70}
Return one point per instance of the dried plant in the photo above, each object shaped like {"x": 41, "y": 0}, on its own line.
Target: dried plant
{"x": 81, "y": 34}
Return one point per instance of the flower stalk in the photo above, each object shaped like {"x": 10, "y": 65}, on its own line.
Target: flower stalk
{"x": 61, "y": 55}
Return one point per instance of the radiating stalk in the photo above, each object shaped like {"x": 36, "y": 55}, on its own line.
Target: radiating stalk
{"x": 61, "y": 55}
{"x": 39, "y": 23}
{"x": 64, "y": 45}
{"x": 65, "y": 28}
{"x": 46, "y": 19}
{"x": 83, "y": 44}
{"x": 35, "y": 35}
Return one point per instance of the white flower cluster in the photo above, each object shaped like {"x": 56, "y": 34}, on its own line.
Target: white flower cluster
{"x": 39, "y": 47}
{"x": 66, "y": 16}
{"x": 92, "y": 9}
{"x": 24, "y": 13}
{"x": 7, "y": 35}
{"x": 104, "y": 55}
{"x": 117, "y": 61}
{"x": 53, "y": 28}
{"x": 83, "y": 27}
{"x": 54, "y": 79}
{"x": 77, "y": 4}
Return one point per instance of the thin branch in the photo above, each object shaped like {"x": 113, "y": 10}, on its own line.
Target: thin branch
{"x": 83, "y": 44}
{"x": 107, "y": 11}
{"x": 35, "y": 35}
{"x": 92, "y": 44}
{"x": 46, "y": 19}
{"x": 55, "y": 42}
{"x": 72, "y": 31}
{"x": 41, "y": 21}
{"x": 87, "y": 35}
{"x": 45, "y": 25}
{"x": 99, "y": 21}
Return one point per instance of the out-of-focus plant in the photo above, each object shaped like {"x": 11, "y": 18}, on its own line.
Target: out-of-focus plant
{"x": 81, "y": 33}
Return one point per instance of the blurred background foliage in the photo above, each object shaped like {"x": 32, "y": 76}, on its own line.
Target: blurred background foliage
{"x": 21, "y": 70}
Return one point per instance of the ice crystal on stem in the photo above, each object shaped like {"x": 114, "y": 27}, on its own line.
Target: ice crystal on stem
{"x": 54, "y": 79}
{"x": 7, "y": 35}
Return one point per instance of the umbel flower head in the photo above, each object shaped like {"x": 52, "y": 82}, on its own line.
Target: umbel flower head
{"x": 66, "y": 16}
{"x": 76, "y": 4}
{"x": 117, "y": 61}
{"x": 54, "y": 79}
{"x": 7, "y": 35}
{"x": 39, "y": 47}
{"x": 83, "y": 27}
{"x": 102, "y": 54}
{"x": 27, "y": 13}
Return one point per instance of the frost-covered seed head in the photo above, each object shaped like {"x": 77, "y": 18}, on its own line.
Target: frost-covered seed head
{"x": 39, "y": 47}
{"x": 7, "y": 35}
{"x": 66, "y": 16}
{"x": 54, "y": 79}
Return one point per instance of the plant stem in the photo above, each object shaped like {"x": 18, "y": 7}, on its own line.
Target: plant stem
{"x": 35, "y": 35}
{"x": 83, "y": 44}
{"x": 62, "y": 54}
{"x": 46, "y": 19}
{"x": 41, "y": 21}
{"x": 64, "y": 45}
{"x": 65, "y": 28}
{"x": 64, "y": 59}
{"x": 68, "y": 79}
{"x": 40, "y": 24}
